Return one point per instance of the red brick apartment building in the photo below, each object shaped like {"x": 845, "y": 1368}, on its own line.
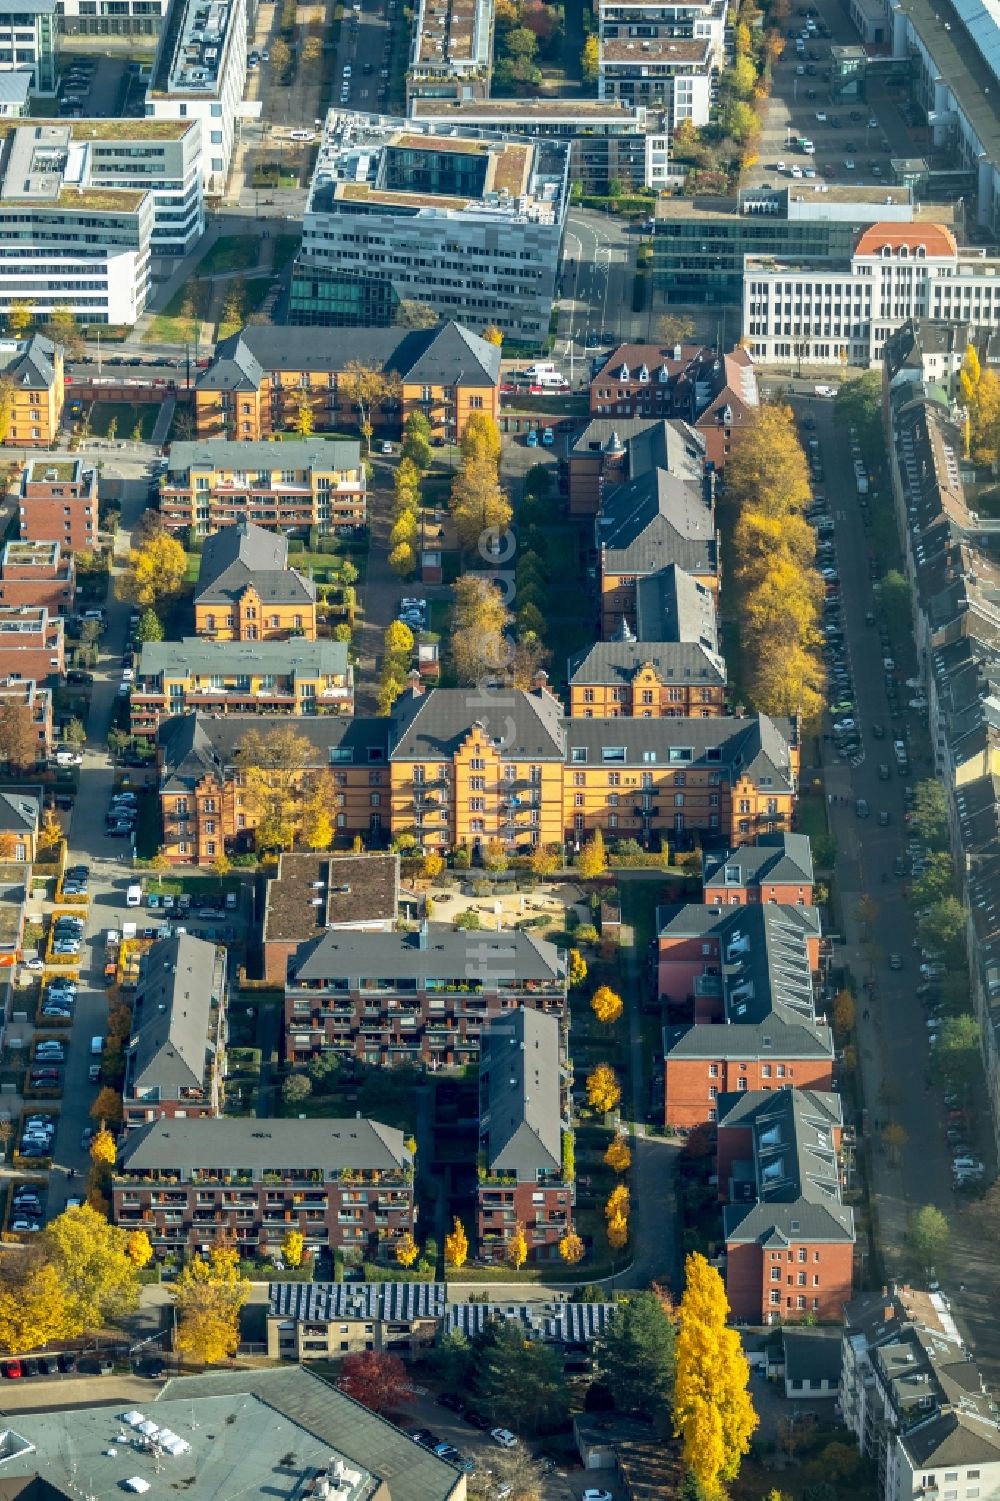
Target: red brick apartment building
{"x": 524, "y": 1113}
{"x": 744, "y": 980}
{"x": 38, "y": 701}
{"x": 777, "y": 869}
{"x": 175, "y": 1058}
{"x": 310, "y": 895}
{"x": 420, "y": 997}
{"x": 716, "y": 394}
{"x": 58, "y": 503}
{"x": 31, "y": 642}
{"x": 38, "y": 573}
{"x": 346, "y": 1184}
{"x": 789, "y": 1237}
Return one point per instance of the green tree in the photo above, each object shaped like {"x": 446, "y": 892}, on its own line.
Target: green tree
{"x": 929, "y": 1236}
{"x": 636, "y": 1355}
{"x": 896, "y": 598}
{"x": 454, "y": 1361}
{"x": 149, "y": 628}
{"x": 956, "y": 1056}
{"x": 522, "y": 1380}
{"x": 930, "y": 812}
{"x": 943, "y": 925}
{"x": 936, "y": 882}
{"x": 858, "y": 404}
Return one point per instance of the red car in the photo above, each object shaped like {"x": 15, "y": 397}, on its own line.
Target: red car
{"x": 12, "y": 1370}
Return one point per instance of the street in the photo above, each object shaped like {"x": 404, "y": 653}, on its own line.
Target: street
{"x": 894, "y": 1054}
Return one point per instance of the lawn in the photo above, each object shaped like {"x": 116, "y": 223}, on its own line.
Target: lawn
{"x": 126, "y": 416}
{"x": 229, "y": 253}
{"x": 254, "y": 295}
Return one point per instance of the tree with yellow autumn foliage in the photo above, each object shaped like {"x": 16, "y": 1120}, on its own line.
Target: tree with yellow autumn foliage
{"x": 980, "y": 390}
{"x": 406, "y": 1249}
{"x": 603, "y": 1089}
{"x": 32, "y": 1304}
{"x": 571, "y": 1247}
{"x": 293, "y": 1248}
{"x": 517, "y": 1247}
{"x": 606, "y": 1004}
{"x": 456, "y": 1245}
{"x": 154, "y": 574}
{"x": 617, "y": 1231}
{"x": 713, "y": 1413}
{"x": 139, "y": 1249}
{"x": 618, "y": 1202}
{"x": 102, "y": 1148}
{"x": 779, "y": 591}
{"x": 592, "y": 860}
{"x": 90, "y": 1257}
{"x": 618, "y": 1156}
{"x": 209, "y": 1293}
{"x": 576, "y": 969}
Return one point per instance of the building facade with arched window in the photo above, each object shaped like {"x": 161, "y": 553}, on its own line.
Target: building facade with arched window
{"x": 821, "y": 313}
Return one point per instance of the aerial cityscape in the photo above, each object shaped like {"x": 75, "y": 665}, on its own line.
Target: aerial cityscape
{"x": 500, "y": 750}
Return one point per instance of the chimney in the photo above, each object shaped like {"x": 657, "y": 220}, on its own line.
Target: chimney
{"x": 422, "y": 935}
{"x": 678, "y": 353}
{"x": 416, "y": 682}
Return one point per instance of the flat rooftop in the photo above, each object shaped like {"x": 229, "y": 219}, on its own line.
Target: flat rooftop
{"x": 845, "y": 193}
{"x": 512, "y": 111}
{"x": 192, "y": 47}
{"x": 375, "y": 162}
{"x": 11, "y": 904}
{"x": 726, "y": 210}
{"x": 452, "y": 36}
{"x": 678, "y": 50}
{"x": 313, "y": 892}
{"x": 962, "y": 66}
{"x": 49, "y": 471}
{"x": 31, "y": 555}
{"x": 44, "y": 164}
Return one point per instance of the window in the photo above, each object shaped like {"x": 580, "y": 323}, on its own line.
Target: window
{"x": 612, "y": 753}
{"x": 713, "y": 1070}
{"x": 578, "y": 753}
{"x": 803, "y": 1253}
{"x": 776, "y": 1274}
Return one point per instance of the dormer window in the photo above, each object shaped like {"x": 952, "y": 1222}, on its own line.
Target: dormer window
{"x": 623, "y": 373}
{"x": 644, "y": 374}
{"x": 663, "y": 375}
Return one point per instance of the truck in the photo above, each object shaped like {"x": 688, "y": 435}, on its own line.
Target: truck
{"x": 861, "y": 480}
{"x": 547, "y": 376}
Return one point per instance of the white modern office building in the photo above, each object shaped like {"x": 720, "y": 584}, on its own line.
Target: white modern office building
{"x": 27, "y": 41}
{"x": 608, "y": 139}
{"x": 199, "y": 73}
{"x": 110, "y": 17}
{"x": 824, "y": 312}
{"x": 666, "y": 56}
{"x": 469, "y": 222}
{"x": 81, "y": 206}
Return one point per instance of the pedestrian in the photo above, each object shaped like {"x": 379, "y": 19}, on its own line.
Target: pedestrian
{"x": 865, "y": 1013}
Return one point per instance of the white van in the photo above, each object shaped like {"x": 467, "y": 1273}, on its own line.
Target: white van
{"x": 97, "y": 1046}
{"x": 133, "y": 896}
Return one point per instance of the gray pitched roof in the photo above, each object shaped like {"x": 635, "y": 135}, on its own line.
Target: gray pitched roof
{"x": 438, "y": 951}
{"x": 194, "y": 654}
{"x": 28, "y": 362}
{"x": 791, "y": 1190}
{"x": 172, "y": 1009}
{"x": 952, "y": 1438}
{"x": 242, "y": 554}
{"x": 520, "y": 1093}
{"x": 250, "y": 454}
{"x": 409, "y": 1472}
{"x": 449, "y": 354}
{"x": 757, "y": 747}
{"x": 198, "y": 745}
{"x": 527, "y": 725}
{"x": 20, "y": 811}
{"x": 764, "y": 982}
{"x": 812, "y": 1354}
{"x": 617, "y": 662}
{"x": 672, "y": 605}
{"x": 654, "y": 520}
{"x": 230, "y": 1142}
{"x": 777, "y": 858}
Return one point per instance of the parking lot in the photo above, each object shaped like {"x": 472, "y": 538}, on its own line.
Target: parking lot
{"x": 854, "y": 140}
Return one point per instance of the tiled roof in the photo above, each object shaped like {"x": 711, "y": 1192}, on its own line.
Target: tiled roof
{"x": 173, "y": 1005}
{"x": 792, "y": 1187}
{"x": 672, "y": 605}
{"x": 757, "y": 748}
{"x": 935, "y": 239}
{"x": 520, "y": 1094}
{"x": 437, "y": 951}
{"x": 217, "y": 1142}
{"x": 654, "y": 520}
{"x": 526, "y": 725}
{"x": 617, "y": 662}
{"x": 193, "y": 655}
{"x": 778, "y": 858}
{"x": 325, "y": 454}
{"x": 243, "y": 554}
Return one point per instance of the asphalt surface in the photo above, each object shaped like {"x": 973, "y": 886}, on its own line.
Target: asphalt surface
{"x": 895, "y": 1056}
{"x": 595, "y": 292}
{"x": 365, "y": 43}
